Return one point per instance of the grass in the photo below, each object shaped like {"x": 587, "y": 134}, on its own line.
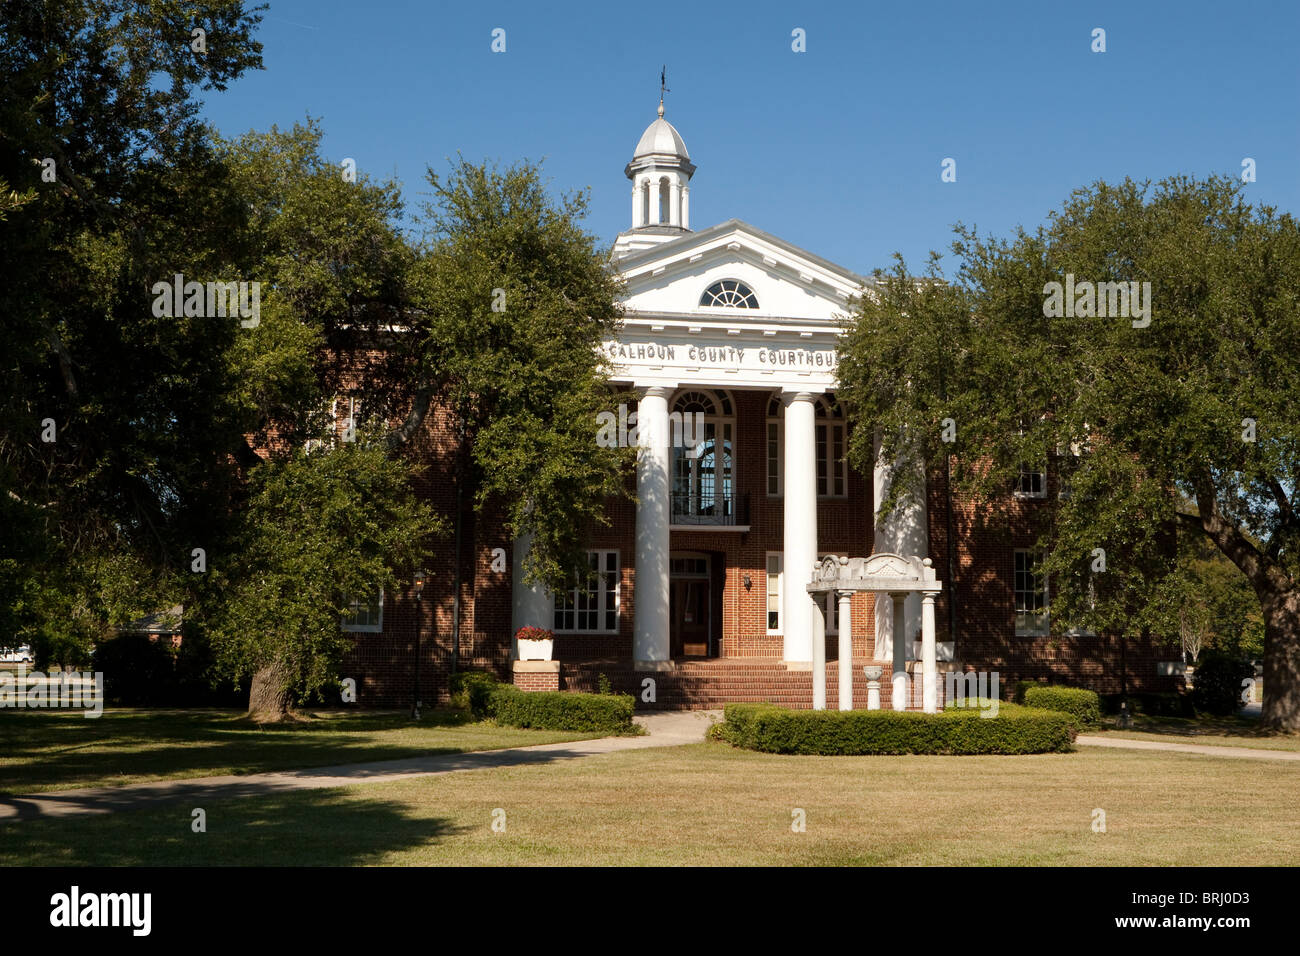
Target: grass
{"x": 710, "y": 804}
{"x": 52, "y": 750}
{"x": 1234, "y": 731}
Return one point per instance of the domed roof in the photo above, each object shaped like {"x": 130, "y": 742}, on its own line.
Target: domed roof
{"x": 660, "y": 137}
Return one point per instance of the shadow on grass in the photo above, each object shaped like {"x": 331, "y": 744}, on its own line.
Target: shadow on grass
{"x": 1235, "y": 725}
{"x": 304, "y": 828}
{"x": 56, "y": 750}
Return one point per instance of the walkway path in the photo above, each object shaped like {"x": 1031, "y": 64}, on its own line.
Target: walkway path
{"x": 664, "y": 730}
{"x": 1252, "y": 753}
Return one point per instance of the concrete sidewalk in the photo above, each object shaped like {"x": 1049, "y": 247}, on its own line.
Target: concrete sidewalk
{"x": 663, "y": 730}
{"x": 1249, "y": 753}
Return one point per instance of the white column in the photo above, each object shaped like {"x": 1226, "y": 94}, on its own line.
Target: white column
{"x": 819, "y": 656}
{"x": 900, "y": 700}
{"x": 929, "y": 667}
{"x": 800, "y": 510}
{"x": 686, "y": 207}
{"x": 674, "y": 200}
{"x": 653, "y": 516}
{"x": 530, "y": 605}
{"x": 904, "y": 532}
{"x": 636, "y": 206}
{"x": 654, "y": 202}
{"x": 846, "y": 649}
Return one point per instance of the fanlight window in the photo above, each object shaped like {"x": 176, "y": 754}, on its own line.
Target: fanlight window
{"x": 703, "y": 469}
{"x": 729, "y": 293}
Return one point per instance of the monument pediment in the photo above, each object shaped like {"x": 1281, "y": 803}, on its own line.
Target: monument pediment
{"x": 879, "y": 572}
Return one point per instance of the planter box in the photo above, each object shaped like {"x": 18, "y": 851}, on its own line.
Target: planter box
{"x": 536, "y": 650}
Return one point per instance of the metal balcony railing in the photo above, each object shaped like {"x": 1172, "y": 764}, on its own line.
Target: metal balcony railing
{"x": 709, "y": 509}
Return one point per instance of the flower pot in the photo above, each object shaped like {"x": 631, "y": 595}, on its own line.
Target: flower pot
{"x": 536, "y": 650}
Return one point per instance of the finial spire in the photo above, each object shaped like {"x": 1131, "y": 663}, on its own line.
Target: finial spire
{"x": 663, "y": 88}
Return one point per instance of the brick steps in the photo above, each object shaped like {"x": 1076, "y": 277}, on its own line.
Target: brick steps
{"x": 710, "y": 685}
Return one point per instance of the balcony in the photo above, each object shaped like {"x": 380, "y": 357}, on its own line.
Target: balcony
{"x": 710, "y": 511}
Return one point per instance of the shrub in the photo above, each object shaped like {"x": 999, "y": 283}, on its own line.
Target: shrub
{"x": 1015, "y": 730}
{"x": 472, "y": 691}
{"x": 1217, "y": 686}
{"x": 138, "y": 672}
{"x": 1021, "y": 687}
{"x": 1082, "y": 704}
{"x": 562, "y": 710}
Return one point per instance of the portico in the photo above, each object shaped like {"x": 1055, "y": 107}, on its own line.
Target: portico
{"x": 738, "y": 330}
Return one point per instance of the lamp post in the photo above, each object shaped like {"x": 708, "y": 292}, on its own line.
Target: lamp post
{"x": 419, "y": 593}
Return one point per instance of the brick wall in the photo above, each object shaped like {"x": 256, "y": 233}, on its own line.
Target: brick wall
{"x": 384, "y": 664}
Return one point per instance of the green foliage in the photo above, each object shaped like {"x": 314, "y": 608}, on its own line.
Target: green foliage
{"x": 561, "y": 710}
{"x": 1144, "y": 424}
{"x": 603, "y": 685}
{"x": 318, "y": 530}
{"x": 472, "y": 691}
{"x": 526, "y": 379}
{"x": 1084, "y": 705}
{"x": 1217, "y": 608}
{"x": 1018, "y": 695}
{"x": 1218, "y": 683}
{"x": 140, "y": 672}
{"x": 137, "y": 405}
{"x": 1015, "y": 730}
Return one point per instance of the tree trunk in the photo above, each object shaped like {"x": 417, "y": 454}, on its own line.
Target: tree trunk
{"x": 1282, "y": 660}
{"x": 268, "y": 695}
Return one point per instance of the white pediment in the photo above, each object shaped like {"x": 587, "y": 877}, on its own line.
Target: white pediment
{"x": 791, "y": 284}
{"x": 879, "y": 572}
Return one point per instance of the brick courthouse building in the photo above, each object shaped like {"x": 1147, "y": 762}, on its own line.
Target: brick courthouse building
{"x": 734, "y": 331}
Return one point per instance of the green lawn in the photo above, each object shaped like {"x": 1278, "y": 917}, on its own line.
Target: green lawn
{"x": 1235, "y": 731}
{"x": 710, "y": 804}
{"x": 53, "y": 750}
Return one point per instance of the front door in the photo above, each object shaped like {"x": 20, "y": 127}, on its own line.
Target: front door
{"x": 689, "y": 608}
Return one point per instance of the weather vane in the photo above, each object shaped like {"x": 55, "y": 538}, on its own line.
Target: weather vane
{"x": 663, "y": 87}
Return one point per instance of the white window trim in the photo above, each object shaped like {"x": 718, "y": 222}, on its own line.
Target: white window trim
{"x": 780, "y": 591}
{"x": 601, "y": 609}
{"x": 1031, "y": 495}
{"x": 375, "y": 628}
{"x": 831, "y": 606}
{"x": 1046, "y": 629}
{"x": 843, "y": 463}
{"x": 780, "y": 458}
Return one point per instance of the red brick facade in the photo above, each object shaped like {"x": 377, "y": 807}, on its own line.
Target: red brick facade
{"x": 750, "y": 664}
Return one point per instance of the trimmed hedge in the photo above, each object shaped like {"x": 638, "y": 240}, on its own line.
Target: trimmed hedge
{"x": 1218, "y": 683}
{"x": 472, "y": 691}
{"x": 1015, "y": 730}
{"x": 1082, "y": 704}
{"x": 562, "y": 710}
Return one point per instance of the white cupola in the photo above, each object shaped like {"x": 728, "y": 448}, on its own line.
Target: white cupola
{"x": 660, "y": 170}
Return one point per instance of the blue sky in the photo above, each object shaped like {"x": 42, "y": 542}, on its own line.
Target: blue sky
{"x": 837, "y": 149}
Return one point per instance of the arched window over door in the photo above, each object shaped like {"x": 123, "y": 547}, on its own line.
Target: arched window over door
{"x": 704, "y": 455}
